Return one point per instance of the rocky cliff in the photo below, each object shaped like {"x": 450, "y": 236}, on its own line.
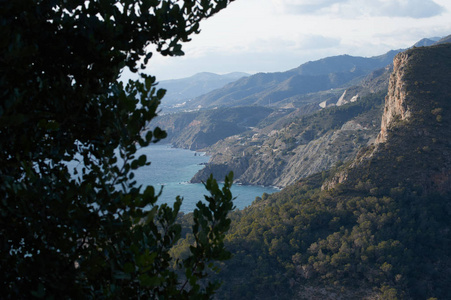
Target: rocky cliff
{"x": 412, "y": 149}
{"x": 395, "y": 101}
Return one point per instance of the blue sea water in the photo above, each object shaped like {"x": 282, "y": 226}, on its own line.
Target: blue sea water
{"x": 172, "y": 168}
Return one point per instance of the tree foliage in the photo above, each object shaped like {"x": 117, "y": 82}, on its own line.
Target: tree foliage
{"x": 91, "y": 232}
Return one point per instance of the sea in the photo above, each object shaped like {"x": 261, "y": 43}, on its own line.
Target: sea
{"x": 172, "y": 168}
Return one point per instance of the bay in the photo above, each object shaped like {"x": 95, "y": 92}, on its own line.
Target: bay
{"x": 172, "y": 169}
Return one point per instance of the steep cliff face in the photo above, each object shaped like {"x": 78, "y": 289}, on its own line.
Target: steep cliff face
{"x": 395, "y": 101}
{"x": 413, "y": 148}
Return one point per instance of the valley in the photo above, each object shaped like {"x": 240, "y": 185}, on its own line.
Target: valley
{"x": 365, "y": 206}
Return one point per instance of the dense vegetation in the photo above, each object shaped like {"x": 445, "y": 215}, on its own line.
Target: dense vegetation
{"x": 95, "y": 233}
{"x": 346, "y": 238}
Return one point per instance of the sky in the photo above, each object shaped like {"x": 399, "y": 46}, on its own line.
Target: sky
{"x": 277, "y": 35}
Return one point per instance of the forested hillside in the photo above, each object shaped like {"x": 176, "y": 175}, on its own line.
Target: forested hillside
{"x": 377, "y": 227}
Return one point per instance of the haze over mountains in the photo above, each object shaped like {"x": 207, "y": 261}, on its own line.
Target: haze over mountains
{"x": 180, "y": 90}
{"x": 288, "y": 89}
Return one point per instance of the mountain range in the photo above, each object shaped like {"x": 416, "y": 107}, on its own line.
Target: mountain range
{"x": 292, "y": 88}
{"x": 181, "y": 90}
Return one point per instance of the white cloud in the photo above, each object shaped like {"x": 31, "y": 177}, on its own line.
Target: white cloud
{"x": 258, "y": 36}
{"x": 407, "y": 8}
{"x": 347, "y": 8}
{"x": 314, "y": 42}
{"x": 305, "y": 6}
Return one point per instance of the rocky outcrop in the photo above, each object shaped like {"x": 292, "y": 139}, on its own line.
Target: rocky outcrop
{"x": 344, "y": 99}
{"x": 395, "y": 101}
{"x": 412, "y": 150}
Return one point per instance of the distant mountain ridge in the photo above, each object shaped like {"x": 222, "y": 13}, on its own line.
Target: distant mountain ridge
{"x": 181, "y": 90}
{"x": 444, "y": 40}
{"x": 280, "y": 89}
{"x": 426, "y": 42}
{"x": 286, "y": 88}
{"x": 345, "y": 63}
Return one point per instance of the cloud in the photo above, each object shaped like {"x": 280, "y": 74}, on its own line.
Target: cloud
{"x": 416, "y": 9}
{"x": 269, "y": 44}
{"x": 297, "y": 42}
{"x": 305, "y": 6}
{"x": 313, "y": 42}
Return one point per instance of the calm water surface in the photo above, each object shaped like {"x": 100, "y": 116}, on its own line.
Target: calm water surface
{"x": 172, "y": 168}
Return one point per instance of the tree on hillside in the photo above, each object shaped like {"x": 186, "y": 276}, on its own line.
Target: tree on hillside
{"x": 92, "y": 232}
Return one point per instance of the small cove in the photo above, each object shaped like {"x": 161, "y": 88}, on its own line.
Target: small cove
{"x": 172, "y": 168}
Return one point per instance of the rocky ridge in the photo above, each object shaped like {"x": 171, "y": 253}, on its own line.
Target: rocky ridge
{"x": 287, "y": 89}
{"x": 412, "y": 147}
{"x": 200, "y": 129}
{"x": 395, "y": 101}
